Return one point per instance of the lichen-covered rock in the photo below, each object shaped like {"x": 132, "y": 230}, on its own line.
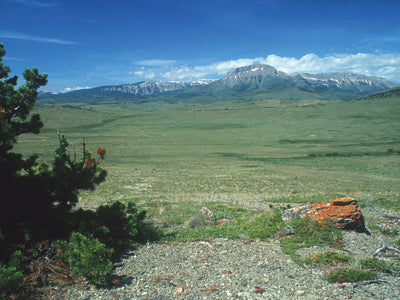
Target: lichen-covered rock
{"x": 208, "y": 214}
{"x": 344, "y": 212}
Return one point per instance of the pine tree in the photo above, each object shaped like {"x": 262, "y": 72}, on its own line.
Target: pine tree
{"x": 36, "y": 199}
{"x": 15, "y": 107}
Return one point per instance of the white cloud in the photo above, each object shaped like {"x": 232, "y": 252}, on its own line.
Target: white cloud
{"x": 156, "y": 62}
{"x": 374, "y": 64}
{"x": 148, "y": 74}
{"x": 75, "y": 88}
{"x": 27, "y": 37}
{"x": 35, "y": 3}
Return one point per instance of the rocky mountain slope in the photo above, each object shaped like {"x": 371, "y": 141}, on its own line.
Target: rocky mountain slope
{"x": 252, "y": 82}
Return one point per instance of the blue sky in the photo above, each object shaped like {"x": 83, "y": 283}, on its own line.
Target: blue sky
{"x": 92, "y": 43}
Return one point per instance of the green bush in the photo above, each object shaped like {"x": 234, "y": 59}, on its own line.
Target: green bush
{"x": 375, "y": 264}
{"x": 10, "y": 279}
{"x": 350, "y": 275}
{"x": 264, "y": 227}
{"x": 329, "y": 257}
{"x": 88, "y": 257}
{"x": 36, "y": 198}
{"x": 11, "y": 275}
{"x": 17, "y": 260}
{"x": 117, "y": 225}
{"x": 310, "y": 233}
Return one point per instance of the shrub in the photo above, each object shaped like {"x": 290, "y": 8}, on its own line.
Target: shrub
{"x": 36, "y": 198}
{"x": 10, "y": 279}
{"x": 88, "y": 257}
{"x": 311, "y": 233}
{"x": 117, "y": 225}
{"x": 11, "y": 275}
{"x": 17, "y": 260}
{"x": 350, "y": 275}
{"x": 264, "y": 227}
{"x": 330, "y": 258}
{"x": 374, "y": 264}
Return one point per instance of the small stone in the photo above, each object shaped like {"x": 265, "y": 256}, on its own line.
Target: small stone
{"x": 179, "y": 290}
{"x": 287, "y": 230}
{"x": 301, "y": 293}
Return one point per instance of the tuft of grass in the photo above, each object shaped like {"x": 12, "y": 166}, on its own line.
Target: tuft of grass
{"x": 384, "y": 230}
{"x": 264, "y": 227}
{"x": 389, "y": 231}
{"x": 388, "y": 201}
{"x": 374, "y": 264}
{"x": 311, "y": 233}
{"x": 209, "y": 232}
{"x": 350, "y": 275}
{"x": 329, "y": 257}
{"x": 258, "y": 227}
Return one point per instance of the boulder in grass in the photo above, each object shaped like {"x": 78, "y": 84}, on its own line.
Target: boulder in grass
{"x": 285, "y": 231}
{"x": 344, "y": 213}
{"x": 208, "y": 214}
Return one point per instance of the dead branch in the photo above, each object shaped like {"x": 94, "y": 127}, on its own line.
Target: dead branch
{"x": 391, "y": 272}
{"x": 381, "y": 251}
{"x": 46, "y": 267}
{"x": 84, "y": 149}
{"x": 385, "y": 248}
{"x": 66, "y": 155}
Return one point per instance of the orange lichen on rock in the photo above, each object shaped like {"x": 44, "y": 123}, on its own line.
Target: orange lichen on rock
{"x": 344, "y": 212}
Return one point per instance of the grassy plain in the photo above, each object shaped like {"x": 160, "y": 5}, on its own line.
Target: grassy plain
{"x": 174, "y": 158}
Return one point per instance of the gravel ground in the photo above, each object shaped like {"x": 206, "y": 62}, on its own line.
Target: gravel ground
{"x": 237, "y": 269}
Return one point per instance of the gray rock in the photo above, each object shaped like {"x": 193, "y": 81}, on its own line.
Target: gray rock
{"x": 287, "y": 230}
{"x": 209, "y": 214}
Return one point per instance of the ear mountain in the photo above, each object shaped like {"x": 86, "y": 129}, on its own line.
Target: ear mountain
{"x": 255, "y": 82}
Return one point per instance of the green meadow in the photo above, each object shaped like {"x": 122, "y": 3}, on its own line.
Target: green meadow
{"x": 178, "y": 157}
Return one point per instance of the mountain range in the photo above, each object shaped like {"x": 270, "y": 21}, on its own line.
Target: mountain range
{"x": 255, "y": 82}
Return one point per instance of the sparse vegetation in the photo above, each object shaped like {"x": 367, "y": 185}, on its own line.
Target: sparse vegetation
{"x": 241, "y": 160}
{"x": 330, "y": 258}
{"x": 382, "y": 228}
{"x": 375, "y": 264}
{"x": 179, "y": 153}
{"x": 263, "y": 228}
{"x": 311, "y": 233}
{"x": 350, "y": 275}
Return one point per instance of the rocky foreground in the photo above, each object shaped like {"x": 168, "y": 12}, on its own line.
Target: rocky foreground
{"x": 240, "y": 269}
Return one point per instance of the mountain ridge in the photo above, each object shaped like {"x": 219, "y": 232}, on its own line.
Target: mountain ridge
{"x": 248, "y": 82}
